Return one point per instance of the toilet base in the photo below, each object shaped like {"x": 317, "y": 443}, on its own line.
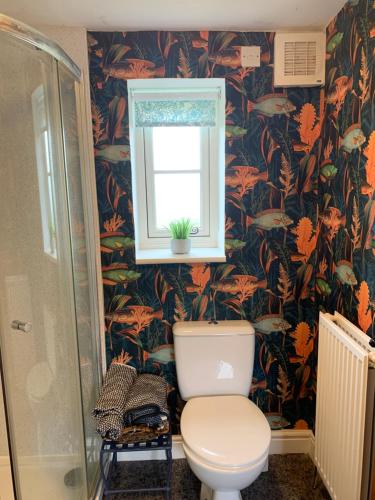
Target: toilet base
{"x": 209, "y": 494}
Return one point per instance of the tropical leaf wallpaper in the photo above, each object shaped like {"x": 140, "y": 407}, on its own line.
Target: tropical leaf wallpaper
{"x": 345, "y": 278}
{"x": 275, "y": 164}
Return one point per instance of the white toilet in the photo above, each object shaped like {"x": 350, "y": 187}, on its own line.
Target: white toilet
{"x": 226, "y": 437}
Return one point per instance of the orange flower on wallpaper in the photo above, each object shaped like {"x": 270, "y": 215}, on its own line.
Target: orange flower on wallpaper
{"x": 111, "y": 225}
{"x": 286, "y": 177}
{"x": 229, "y": 108}
{"x": 343, "y": 85}
{"x": 242, "y": 285}
{"x": 200, "y": 275}
{"x": 323, "y": 267}
{"x": 356, "y": 226}
{"x": 369, "y": 152}
{"x": 134, "y": 68}
{"x": 369, "y": 223}
{"x": 138, "y": 316}
{"x": 141, "y": 317}
{"x": 328, "y": 150}
{"x": 306, "y": 240}
{"x": 333, "y": 220}
{"x": 245, "y": 179}
{"x": 98, "y": 129}
{"x": 122, "y": 359}
{"x": 246, "y": 286}
{"x": 363, "y": 308}
{"x": 303, "y": 343}
{"x": 309, "y": 128}
{"x": 363, "y": 83}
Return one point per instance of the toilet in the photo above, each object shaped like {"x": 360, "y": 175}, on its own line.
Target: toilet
{"x": 225, "y": 436}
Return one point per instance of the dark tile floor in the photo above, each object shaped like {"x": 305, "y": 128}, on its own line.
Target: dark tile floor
{"x": 289, "y": 477}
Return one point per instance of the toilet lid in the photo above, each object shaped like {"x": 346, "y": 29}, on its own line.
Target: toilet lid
{"x": 226, "y": 431}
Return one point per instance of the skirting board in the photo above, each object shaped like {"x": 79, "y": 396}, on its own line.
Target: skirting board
{"x": 282, "y": 442}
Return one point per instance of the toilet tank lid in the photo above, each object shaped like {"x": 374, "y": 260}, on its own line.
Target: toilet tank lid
{"x": 207, "y": 328}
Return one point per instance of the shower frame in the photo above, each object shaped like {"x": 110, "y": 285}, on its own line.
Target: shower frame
{"x": 35, "y": 38}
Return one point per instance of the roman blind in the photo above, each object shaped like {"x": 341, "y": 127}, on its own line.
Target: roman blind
{"x": 172, "y": 108}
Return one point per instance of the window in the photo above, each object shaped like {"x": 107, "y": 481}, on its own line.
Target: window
{"x": 182, "y": 184}
{"x": 177, "y": 151}
{"x": 45, "y": 177}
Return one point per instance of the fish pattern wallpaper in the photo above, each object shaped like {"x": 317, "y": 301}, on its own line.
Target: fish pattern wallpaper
{"x": 345, "y": 279}
{"x": 271, "y": 220}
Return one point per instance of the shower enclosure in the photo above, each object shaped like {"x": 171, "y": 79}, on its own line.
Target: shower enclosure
{"x": 48, "y": 310}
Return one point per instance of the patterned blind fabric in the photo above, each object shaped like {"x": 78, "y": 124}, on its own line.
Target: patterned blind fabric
{"x": 172, "y": 113}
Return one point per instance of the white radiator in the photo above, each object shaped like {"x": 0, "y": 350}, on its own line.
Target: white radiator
{"x": 345, "y": 409}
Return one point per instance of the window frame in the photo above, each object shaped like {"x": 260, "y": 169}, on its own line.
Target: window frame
{"x": 150, "y": 246}
{"x": 45, "y": 174}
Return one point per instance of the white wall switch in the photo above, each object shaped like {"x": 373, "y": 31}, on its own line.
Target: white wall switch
{"x": 250, "y": 56}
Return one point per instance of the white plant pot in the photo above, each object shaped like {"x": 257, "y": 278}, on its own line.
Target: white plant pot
{"x": 180, "y": 246}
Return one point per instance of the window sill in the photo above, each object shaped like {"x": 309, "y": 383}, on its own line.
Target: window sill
{"x": 165, "y": 256}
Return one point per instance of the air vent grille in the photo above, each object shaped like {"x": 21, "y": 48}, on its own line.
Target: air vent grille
{"x": 300, "y": 58}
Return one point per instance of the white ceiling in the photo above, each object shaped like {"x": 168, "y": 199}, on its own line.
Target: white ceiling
{"x": 246, "y": 15}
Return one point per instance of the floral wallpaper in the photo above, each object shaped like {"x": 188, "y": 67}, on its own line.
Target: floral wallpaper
{"x": 272, "y": 169}
{"x": 345, "y": 278}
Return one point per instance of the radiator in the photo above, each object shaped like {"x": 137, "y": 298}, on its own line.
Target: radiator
{"x": 344, "y": 426}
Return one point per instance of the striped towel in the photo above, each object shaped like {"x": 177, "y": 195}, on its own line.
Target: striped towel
{"x": 147, "y": 402}
{"x": 110, "y": 406}
{"x": 142, "y": 433}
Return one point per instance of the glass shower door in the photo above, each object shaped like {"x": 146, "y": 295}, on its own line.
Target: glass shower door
{"x": 38, "y": 335}
{"x": 88, "y": 350}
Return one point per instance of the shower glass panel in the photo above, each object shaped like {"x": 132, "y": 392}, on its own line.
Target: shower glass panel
{"x": 47, "y": 330}
{"x": 40, "y": 370}
{"x": 88, "y": 352}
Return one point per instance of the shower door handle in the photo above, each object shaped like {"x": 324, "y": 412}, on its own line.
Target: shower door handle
{"x": 23, "y": 326}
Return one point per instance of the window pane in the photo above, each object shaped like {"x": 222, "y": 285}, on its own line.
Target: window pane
{"x": 176, "y": 196}
{"x": 46, "y": 150}
{"x": 176, "y": 148}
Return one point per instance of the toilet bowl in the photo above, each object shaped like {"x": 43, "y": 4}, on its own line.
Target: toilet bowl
{"x": 226, "y": 440}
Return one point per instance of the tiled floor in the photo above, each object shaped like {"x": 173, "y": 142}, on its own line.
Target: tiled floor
{"x": 290, "y": 477}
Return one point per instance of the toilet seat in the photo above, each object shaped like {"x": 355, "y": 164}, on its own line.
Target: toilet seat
{"x": 225, "y": 431}
{"x": 227, "y": 469}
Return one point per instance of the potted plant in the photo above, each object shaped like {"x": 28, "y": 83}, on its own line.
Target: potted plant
{"x": 180, "y": 231}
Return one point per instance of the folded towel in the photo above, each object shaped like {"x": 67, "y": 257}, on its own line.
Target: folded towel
{"x": 110, "y": 426}
{"x": 141, "y": 433}
{"x": 110, "y": 406}
{"x": 147, "y": 402}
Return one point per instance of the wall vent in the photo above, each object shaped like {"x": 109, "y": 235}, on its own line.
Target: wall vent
{"x": 299, "y": 59}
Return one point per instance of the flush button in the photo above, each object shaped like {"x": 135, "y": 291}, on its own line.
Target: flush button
{"x": 224, "y": 371}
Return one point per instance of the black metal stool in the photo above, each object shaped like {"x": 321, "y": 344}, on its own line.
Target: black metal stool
{"x": 163, "y": 442}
